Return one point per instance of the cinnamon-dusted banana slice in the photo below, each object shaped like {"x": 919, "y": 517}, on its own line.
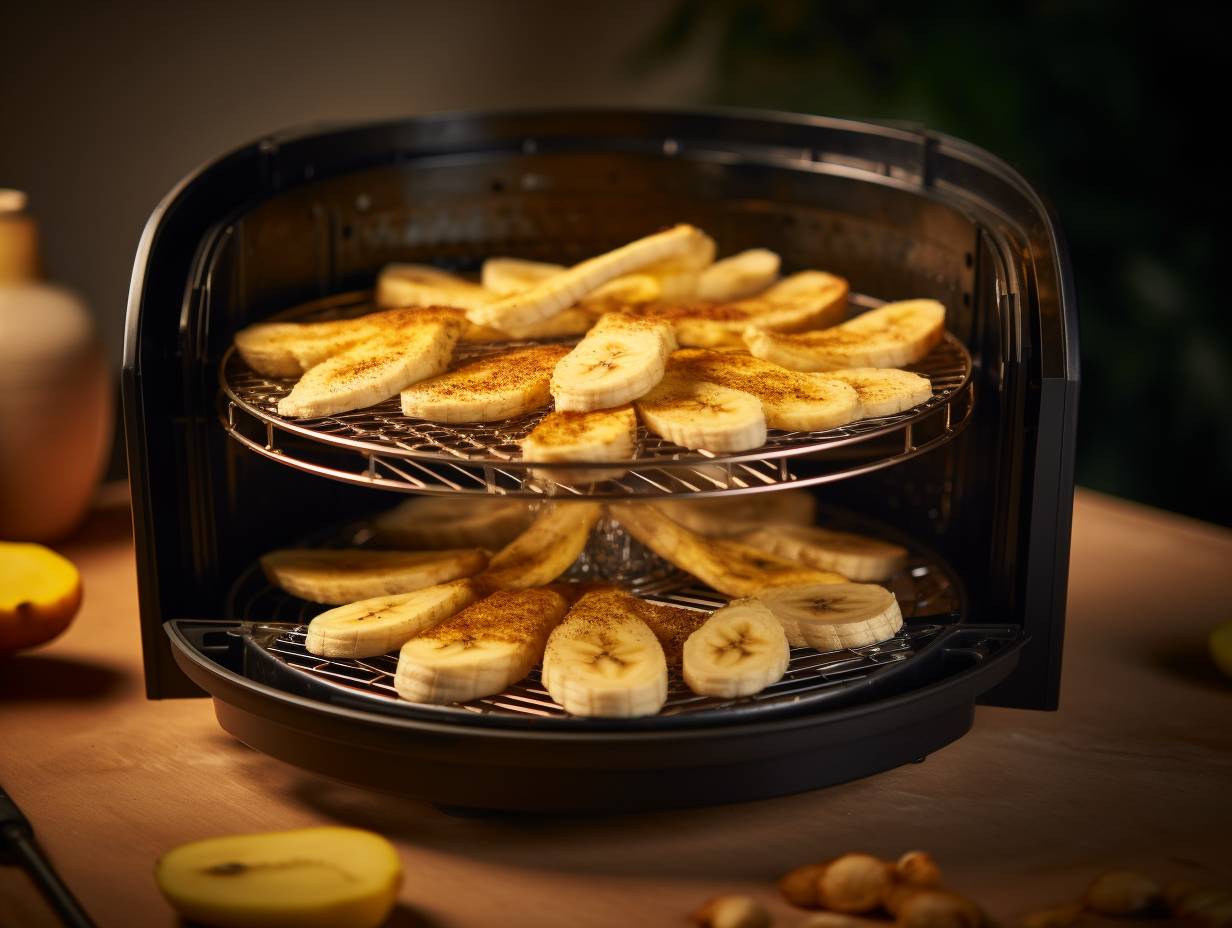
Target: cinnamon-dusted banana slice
{"x": 729, "y": 567}
{"x": 620, "y": 359}
{"x": 566, "y": 324}
{"x": 513, "y": 275}
{"x": 739, "y": 276}
{"x": 424, "y": 285}
{"x": 791, "y": 400}
{"x": 884, "y": 391}
{"x": 274, "y": 348}
{"x": 728, "y": 517}
{"x": 499, "y": 386}
{"x": 331, "y": 575}
{"x": 601, "y": 435}
{"x": 545, "y": 550}
{"x": 832, "y": 616}
{"x": 480, "y": 650}
{"x": 415, "y": 343}
{"x": 856, "y": 557}
{"x": 672, "y": 625}
{"x": 567, "y": 288}
{"x": 890, "y": 336}
{"x": 696, "y": 414}
{"x": 437, "y": 522}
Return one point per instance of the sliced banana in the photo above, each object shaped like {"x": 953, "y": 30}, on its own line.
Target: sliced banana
{"x": 287, "y": 349}
{"x": 696, "y": 414}
{"x": 328, "y": 575}
{"x": 672, "y": 626}
{"x": 381, "y": 624}
{"x": 418, "y": 346}
{"x": 738, "y": 276}
{"x": 740, "y": 650}
{"x": 791, "y": 400}
{"x": 513, "y": 275}
{"x": 602, "y": 435}
{"x": 504, "y": 276}
{"x": 856, "y": 557}
{"x": 731, "y": 568}
{"x": 890, "y": 336}
{"x": 547, "y": 548}
{"x": 832, "y": 616}
{"x": 499, "y": 386}
{"x": 884, "y": 391}
{"x": 620, "y": 359}
{"x": 569, "y": 287}
{"x": 437, "y": 522}
{"x": 424, "y": 285}
{"x": 603, "y": 660}
{"x": 728, "y": 517}
{"x": 480, "y": 650}
{"x": 565, "y": 324}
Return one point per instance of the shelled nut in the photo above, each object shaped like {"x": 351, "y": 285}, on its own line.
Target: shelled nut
{"x": 916, "y": 907}
{"x": 918, "y": 868}
{"x": 732, "y": 912}
{"x": 800, "y": 886}
{"x": 854, "y": 883}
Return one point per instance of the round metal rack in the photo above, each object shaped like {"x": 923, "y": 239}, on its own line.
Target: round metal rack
{"x": 380, "y": 447}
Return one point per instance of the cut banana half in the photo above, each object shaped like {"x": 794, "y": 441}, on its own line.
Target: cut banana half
{"x": 790, "y": 400}
{"x": 602, "y": 435}
{"x": 504, "y": 276}
{"x": 499, "y": 386}
{"x": 326, "y": 575}
{"x": 725, "y": 517}
{"x": 565, "y": 324}
{"x": 740, "y": 650}
{"x": 435, "y": 522}
{"x": 699, "y": 415}
{"x": 856, "y": 557}
{"x": 419, "y": 346}
{"x": 545, "y": 550}
{"x": 620, "y": 359}
{"x": 884, "y": 391}
{"x": 566, "y": 289}
{"x": 383, "y": 623}
{"x": 890, "y": 336}
{"x": 480, "y": 650}
{"x": 287, "y": 349}
{"x": 739, "y": 276}
{"x": 833, "y": 616}
{"x": 603, "y": 661}
{"x": 424, "y": 285}
{"x": 672, "y": 626}
{"x": 513, "y": 275}
{"x": 731, "y": 568}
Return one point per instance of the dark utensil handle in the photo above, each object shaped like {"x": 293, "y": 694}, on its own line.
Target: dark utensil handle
{"x": 17, "y": 836}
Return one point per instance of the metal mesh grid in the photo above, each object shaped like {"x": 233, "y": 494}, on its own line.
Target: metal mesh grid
{"x": 398, "y": 452}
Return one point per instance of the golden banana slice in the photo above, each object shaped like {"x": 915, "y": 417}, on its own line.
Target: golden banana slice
{"x": 381, "y": 624}
{"x": 739, "y": 276}
{"x": 329, "y": 575}
{"x": 727, "y": 517}
{"x": 856, "y": 557}
{"x": 480, "y": 650}
{"x": 696, "y": 414}
{"x": 437, "y": 522}
{"x": 417, "y": 343}
{"x": 620, "y": 359}
{"x": 287, "y": 349}
{"x": 565, "y": 324}
{"x": 499, "y": 386}
{"x": 884, "y": 391}
{"x": 424, "y": 285}
{"x": 832, "y": 616}
{"x": 791, "y": 400}
{"x": 545, "y": 550}
{"x": 731, "y": 568}
{"x": 602, "y": 435}
{"x": 740, "y": 650}
{"x": 513, "y": 275}
{"x": 890, "y": 336}
{"x": 603, "y": 661}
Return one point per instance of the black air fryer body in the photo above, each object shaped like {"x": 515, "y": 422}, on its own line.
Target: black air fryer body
{"x": 899, "y": 212}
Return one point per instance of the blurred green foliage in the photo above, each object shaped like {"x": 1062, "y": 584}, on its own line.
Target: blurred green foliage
{"x": 1094, "y": 102}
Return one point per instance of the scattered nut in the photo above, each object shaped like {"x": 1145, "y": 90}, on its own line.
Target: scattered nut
{"x": 838, "y": 920}
{"x": 799, "y": 887}
{"x": 1061, "y": 917}
{"x": 918, "y": 868}
{"x": 1122, "y": 892}
{"x": 936, "y": 908}
{"x": 854, "y": 883}
{"x": 732, "y": 912}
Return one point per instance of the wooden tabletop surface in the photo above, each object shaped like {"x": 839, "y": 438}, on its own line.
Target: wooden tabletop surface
{"x": 1135, "y": 770}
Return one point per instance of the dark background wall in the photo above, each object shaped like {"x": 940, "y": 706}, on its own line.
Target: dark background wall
{"x": 106, "y": 106}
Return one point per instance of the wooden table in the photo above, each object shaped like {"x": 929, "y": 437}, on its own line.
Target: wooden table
{"x": 1135, "y": 770}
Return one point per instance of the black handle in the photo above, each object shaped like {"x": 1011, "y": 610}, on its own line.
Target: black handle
{"x": 17, "y": 837}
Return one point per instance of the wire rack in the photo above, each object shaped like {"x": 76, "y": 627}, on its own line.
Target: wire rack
{"x": 379, "y": 446}
{"x": 928, "y": 592}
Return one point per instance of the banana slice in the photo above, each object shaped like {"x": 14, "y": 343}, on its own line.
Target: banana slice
{"x": 856, "y": 557}
{"x": 381, "y": 624}
{"x": 725, "y": 517}
{"x": 287, "y": 349}
{"x": 890, "y": 336}
{"x": 738, "y": 276}
{"x": 480, "y": 650}
{"x": 884, "y": 391}
{"x": 513, "y": 275}
{"x": 695, "y": 414}
{"x": 325, "y": 575}
{"x": 602, "y": 435}
{"x": 567, "y": 288}
{"x": 727, "y": 566}
{"x": 565, "y": 324}
{"x": 435, "y": 522}
{"x": 833, "y": 616}
{"x": 424, "y": 285}
{"x": 620, "y": 359}
{"x": 418, "y": 346}
{"x": 504, "y": 276}
{"x": 499, "y": 386}
{"x": 603, "y": 661}
{"x": 672, "y": 626}
{"x": 790, "y": 400}
{"x": 545, "y": 550}
{"x": 740, "y": 650}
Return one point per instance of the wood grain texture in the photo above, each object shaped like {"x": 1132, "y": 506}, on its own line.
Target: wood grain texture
{"x": 1135, "y": 770}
